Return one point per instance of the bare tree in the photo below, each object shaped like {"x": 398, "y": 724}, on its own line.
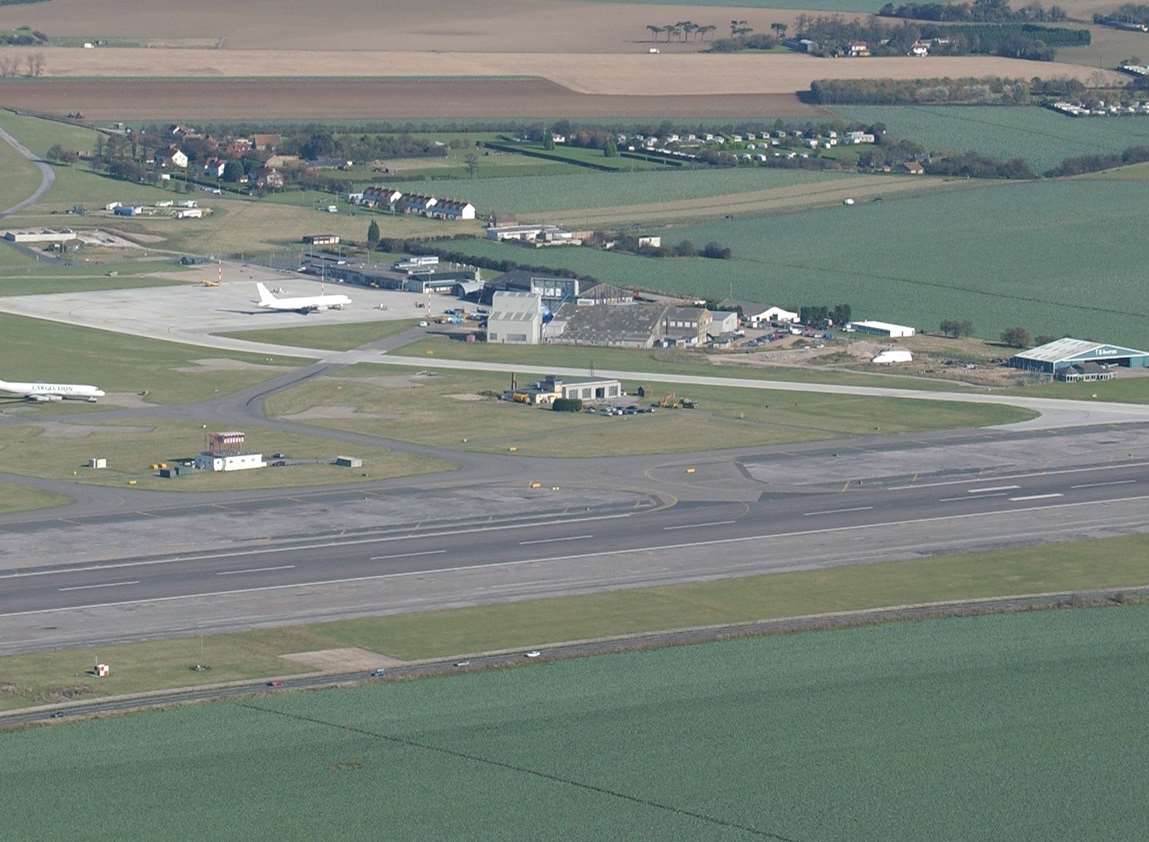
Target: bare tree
{"x": 654, "y": 31}
{"x": 7, "y": 66}
{"x": 35, "y": 64}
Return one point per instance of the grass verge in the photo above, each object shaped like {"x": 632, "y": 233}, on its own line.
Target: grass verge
{"x": 327, "y": 337}
{"x": 657, "y": 361}
{"x": 55, "y": 450}
{"x": 168, "y": 372}
{"x": 47, "y": 677}
{"x": 23, "y": 498}
{"x": 441, "y": 407}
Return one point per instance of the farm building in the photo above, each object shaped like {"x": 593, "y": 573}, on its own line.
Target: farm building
{"x": 1061, "y": 358}
{"x": 722, "y": 321}
{"x": 41, "y": 235}
{"x": 516, "y": 318}
{"x": 883, "y": 329}
{"x": 321, "y": 239}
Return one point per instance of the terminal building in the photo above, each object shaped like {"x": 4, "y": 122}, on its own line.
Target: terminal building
{"x": 1078, "y": 359}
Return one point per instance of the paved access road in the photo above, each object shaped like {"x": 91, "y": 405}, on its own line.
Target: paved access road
{"x": 47, "y": 174}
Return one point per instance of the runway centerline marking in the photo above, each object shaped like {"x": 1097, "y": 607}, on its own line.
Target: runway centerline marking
{"x": 837, "y": 511}
{"x": 1099, "y": 484}
{"x": 700, "y": 525}
{"x": 555, "y": 540}
{"x": 991, "y": 489}
{"x": 1034, "y": 497}
{"x": 406, "y": 555}
{"x": 575, "y": 556}
{"x": 104, "y": 585}
{"x": 326, "y": 545}
{"x": 982, "y": 496}
{"x": 255, "y": 570}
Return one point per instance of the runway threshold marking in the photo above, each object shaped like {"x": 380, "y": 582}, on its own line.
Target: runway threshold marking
{"x": 1034, "y": 497}
{"x": 556, "y": 540}
{"x": 255, "y": 570}
{"x": 1100, "y": 484}
{"x": 406, "y": 555}
{"x": 992, "y": 489}
{"x": 837, "y": 511}
{"x": 575, "y": 556}
{"x": 104, "y": 585}
{"x": 699, "y": 525}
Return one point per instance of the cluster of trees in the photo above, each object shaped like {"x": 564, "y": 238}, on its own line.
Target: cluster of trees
{"x": 31, "y": 65}
{"x": 973, "y": 165}
{"x": 955, "y": 329}
{"x": 684, "y": 248}
{"x": 1094, "y": 163}
{"x": 1127, "y": 13}
{"x": 58, "y": 154}
{"x": 833, "y": 34}
{"x": 361, "y": 147}
{"x": 989, "y": 90}
{"x": 1017, "y": 337}
{"x": 684, "y": 30}
{"x": 23, "y": 36}
{"x": 980, "y": 11}
{"x": 816, "y": 314}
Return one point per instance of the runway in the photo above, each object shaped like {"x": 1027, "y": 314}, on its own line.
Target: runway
{"x": 404, "y": 566}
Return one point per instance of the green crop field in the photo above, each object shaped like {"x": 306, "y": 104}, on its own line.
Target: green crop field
{"x": 1020, "y": 727}
{"x": 168, "y": 371}
{"x": 1040, "y": 136}
{"x": 533, "y": 194}
{"x": 19, "y": 177}
{"x": 1057, "y": 257}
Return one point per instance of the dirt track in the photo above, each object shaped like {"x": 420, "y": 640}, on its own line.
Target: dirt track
{"x": 639, "y": 74}
{"x": 391, "y": 100}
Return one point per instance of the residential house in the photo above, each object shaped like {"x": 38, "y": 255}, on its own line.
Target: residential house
{"x": 858, "y": 49}
{"x": 214, "y": 167}
{"x": 451, "y": 209}
{"x": 269, "y": 179}
{"x": 237, "y": 147}
{"x": 920, "y": 49}
{"x": 416, "y": 203}
{"x": 377, "y": 197}
{"x": 913, "y": 167}
{"x": 266, "y": 142}
{"x": 171, "y": 157}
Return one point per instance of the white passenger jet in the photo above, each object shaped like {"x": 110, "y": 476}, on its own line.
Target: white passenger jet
{"x": 52, "y": 391}
{"x": 306, "y": 305}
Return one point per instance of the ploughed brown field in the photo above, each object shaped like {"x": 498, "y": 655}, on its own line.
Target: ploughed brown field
{"x": 741, "y": 73}
{"x": 540, "y": 26}
{"x": 375, "y": 99}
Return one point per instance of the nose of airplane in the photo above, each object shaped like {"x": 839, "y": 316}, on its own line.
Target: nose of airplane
{"x": 99, "y": 393}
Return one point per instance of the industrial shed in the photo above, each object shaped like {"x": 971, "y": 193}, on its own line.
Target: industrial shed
{"x": 1063, "y": 355}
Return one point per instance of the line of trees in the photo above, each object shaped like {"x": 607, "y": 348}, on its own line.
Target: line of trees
{"x": 980, "y": 11}
{"x": 975, "y": 165}
{"x": 816, "y": 314}
{"x": 988, "y": 90}
{"x": 684, "y": 30}
{"x": 832, "y": 35}
{"x": 955, "y": 328}
{"x": 1137, "y": 13}
{"x": 1095, "y": 163}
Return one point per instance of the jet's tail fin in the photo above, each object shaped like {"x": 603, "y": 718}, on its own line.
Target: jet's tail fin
{"x": 265, "y": 296}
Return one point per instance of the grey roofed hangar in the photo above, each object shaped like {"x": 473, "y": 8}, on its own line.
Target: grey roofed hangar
{"x": 1063, "y": 353}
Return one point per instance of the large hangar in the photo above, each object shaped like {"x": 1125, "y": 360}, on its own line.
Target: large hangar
{"x": 1063, "y": 354}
